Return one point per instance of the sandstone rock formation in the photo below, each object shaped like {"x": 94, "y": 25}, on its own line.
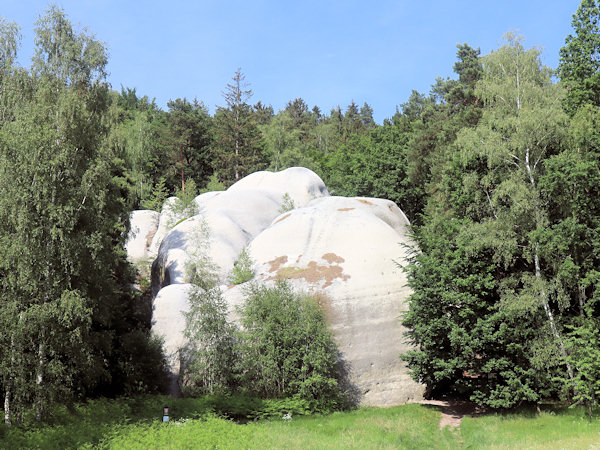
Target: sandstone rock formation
{"x": 143, "y": 227}
{"x": 227, "y": 221}
{"x": 345, "y": 250}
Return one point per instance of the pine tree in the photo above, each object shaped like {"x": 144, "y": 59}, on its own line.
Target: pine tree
{"x": 237, "y": 145}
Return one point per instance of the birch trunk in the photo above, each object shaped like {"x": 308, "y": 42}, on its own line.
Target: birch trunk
{"x": 7, "y": 418}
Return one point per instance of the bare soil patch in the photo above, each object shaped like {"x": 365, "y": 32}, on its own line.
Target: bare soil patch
{"x": 453, "y": 411}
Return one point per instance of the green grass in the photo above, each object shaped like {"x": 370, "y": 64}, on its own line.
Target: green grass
{"x": 136, "y": 423}
{"x": 410, "y": 426}
{"x": 558, "y": 429}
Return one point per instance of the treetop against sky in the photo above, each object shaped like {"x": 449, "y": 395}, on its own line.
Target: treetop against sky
{"x": 328, "y": 53}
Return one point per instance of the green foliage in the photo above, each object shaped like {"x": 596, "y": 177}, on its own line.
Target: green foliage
{"x": 553, "y": 427}
{"x": 242, "y": 269}
{"x": 208, "y": 360}
{"x": 484, "y": 285}
{"x": 67, "y": 309}
{"x": 184, "y": 205}
{"x": 286, "y": 348}
{"x": 137, "y": 138}
{"x": 287, "y": 204}
{"x": 583, "y": 348}
{"x": 467, "y": 345}
{"x": 157, "y": 197}
{"x": 237, "y": 143}
{"x": 200, "y": 269}
{"x": 579, "y": 68}
{"x": 136, "y": 423}
{"x": 189, "y": 138}
{"x": 213, "y": 184}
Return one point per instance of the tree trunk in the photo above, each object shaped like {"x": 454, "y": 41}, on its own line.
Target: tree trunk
{"x": 582, "y": 300}
{"x": 538, "y": 276}
{"x": 39, "y": 381}
{"x": 7, "y": 411}
{"x": 182, "y": 177}
{"x": 550, "y": 316}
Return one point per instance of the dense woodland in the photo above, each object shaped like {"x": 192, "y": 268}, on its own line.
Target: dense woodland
{"x": 498, "y": 170}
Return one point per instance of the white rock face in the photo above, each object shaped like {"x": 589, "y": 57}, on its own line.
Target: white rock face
{"x": 166, "y": 221}
{"x": 301, "y": 184}
{"x": 226, "y": 224}
{"x": 168, "y": 320}
{"x": 234, "y": 217}
{"x": 345, "y": 250}
{"x": 144, "y": 225}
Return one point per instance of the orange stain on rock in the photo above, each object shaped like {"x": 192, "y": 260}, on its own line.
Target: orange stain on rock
{"x": 332, "y": 258}
{"x": 283, "y": 218}
{"x": 277, "y": 263}
{"x": 313, "y": 273}
{"x": 366, "y": 202}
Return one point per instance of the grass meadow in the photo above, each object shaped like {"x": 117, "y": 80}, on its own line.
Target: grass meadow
{"x": 203, "y": 423}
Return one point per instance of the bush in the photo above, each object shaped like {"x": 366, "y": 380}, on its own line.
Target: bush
{"x": 208, "y": 360}
{"x": 185, "y": 205}
{"x": 242, "y": 269}
{"x": 287, "y": 203}
{"x": 286, "y": 348}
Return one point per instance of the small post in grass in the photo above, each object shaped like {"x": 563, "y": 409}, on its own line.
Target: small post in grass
{"x": 166, "y": 414}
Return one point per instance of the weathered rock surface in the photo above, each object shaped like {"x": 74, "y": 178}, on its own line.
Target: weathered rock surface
{"x": 301, "y": 184}
{"x": 234, "y": 217}
{"x": 345, "y": 250}
{"x": 226, "y": 224}
{"x": 168, "y": 319}
{"x": 143, "y": 227}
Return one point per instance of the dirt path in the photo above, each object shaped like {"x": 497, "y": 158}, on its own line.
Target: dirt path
{"x": 453, "y": 411}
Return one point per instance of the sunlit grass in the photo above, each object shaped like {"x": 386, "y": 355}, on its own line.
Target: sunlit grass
{"x": 136, "y": 423}
{"x": 565, "y": 428}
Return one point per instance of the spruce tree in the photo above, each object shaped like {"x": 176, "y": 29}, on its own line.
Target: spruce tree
{"x": 237, "y": 145}
{"x": 579, "y": 67}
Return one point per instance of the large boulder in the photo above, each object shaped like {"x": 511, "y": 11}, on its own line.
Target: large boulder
{"x": 300, "y": 184}
{"x": 226, "y": 224}
{"x": 349, "y": 252}
{"x": 168, "y": 322}
{"x": 166, "y": 221}
{"x": 227, "y": 221}
{"x": 168, "y": 319}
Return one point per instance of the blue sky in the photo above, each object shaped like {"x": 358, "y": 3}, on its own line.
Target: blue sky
{"x": 326, "y": 52}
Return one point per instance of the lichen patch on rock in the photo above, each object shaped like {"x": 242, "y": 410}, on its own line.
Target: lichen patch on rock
{"x": 345, "y": 209}
{"x": 314, "y": 273}
{"x": 277, "y": 263}
{"x": 332, "y": 258}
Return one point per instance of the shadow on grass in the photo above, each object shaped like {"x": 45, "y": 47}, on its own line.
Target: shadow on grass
{"x": 454, "y": 410}
{"x": 88, "y": 424}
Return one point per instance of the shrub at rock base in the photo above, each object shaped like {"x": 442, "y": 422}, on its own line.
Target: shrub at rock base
{"x": 284, "y": 352}
{"x": 286, "y": 349}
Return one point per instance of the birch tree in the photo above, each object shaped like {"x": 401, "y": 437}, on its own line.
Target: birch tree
{"x": 523, "y": 124}
{"x": 62, "y": 221}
